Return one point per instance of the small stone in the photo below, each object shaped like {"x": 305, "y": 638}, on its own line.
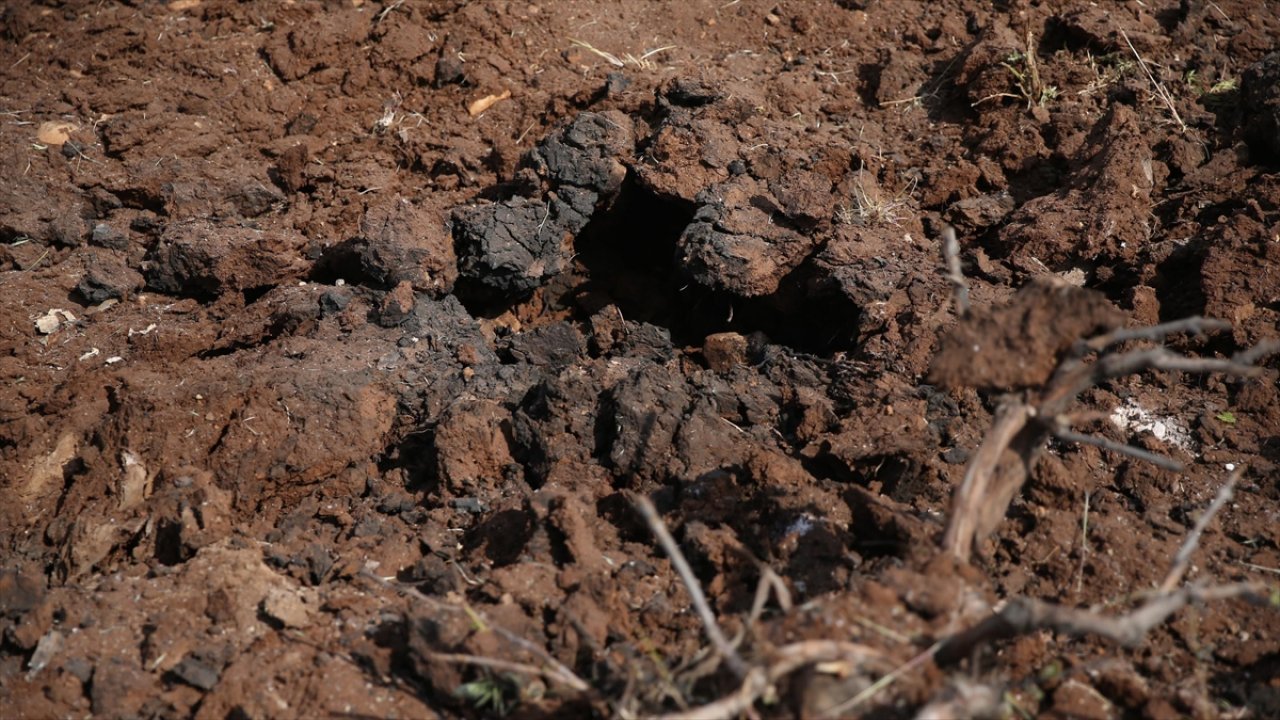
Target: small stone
{"x": 449, "y": 71}
{"x": 108, "y": 279}
{"x": 302, "y": 124}
{"x": 473, "y": 505}
{"x": 50, "y": 322}
{"x": 20, "y": 592}
{"x": 197, "y": 673}
{"x": 616, "y": 83}
{"x": 334, "y": 302}
{"x": 397, "y": 305}
{"x": 1075, "y": 699}
{"x": 119, "y": 688}
{"x": 104, "y": 235}
{"x": 553, "y": 346}
{"x": 724, "y": 351}
{"x": 79, "y": 667}
{"x": 48, "y": 648}
{"x": 286, "y": 608}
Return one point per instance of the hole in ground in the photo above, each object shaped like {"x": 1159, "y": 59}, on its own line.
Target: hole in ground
{"x": 628, "y": 252}
{"x": 1177, "y": 283}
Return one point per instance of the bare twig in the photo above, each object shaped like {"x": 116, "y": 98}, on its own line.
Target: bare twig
{"x": 770, "y": 583}
{"x": 1163, "y": 359}
{"x": 1194, "y": 325}
{"x": 951, "y": 252}
{"x": 709, "y": 624}
{"x": 994, "y": 471}
{"x": 758, "y": 679}
{"x": 1257, "y": 352}
{"x": 731, "y": 706}
{"x": 1021, "y": 616}
{"x": 1167, "y": 463}
{"x": 890, "y": 678}
{"x": 782, "y": 662}
{"x": 963, "y": 699}
{"x": 1182, "y": 561}
{"x": 548, "y": 674}
{"x": 1012, "y": 446}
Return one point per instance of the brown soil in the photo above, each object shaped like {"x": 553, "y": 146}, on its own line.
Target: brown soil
{"x": 327, "y": 335}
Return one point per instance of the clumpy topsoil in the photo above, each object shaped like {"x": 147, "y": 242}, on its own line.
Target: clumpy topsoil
{"x": 335, "y": 338}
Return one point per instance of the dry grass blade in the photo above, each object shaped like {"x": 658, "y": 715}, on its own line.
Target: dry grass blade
{"x": 960, "y": 286}
{"x": 1166, "y": 463}
{"x": 1182, "y": 561}
{"x": 500, "y": 665}
{"x": 681, "y": 565}
{"x": 556, "y": 671}
{"x": 1161, "y": 91}
{"x": 607, "y": 56}
{"x": 642, "y": 62}
{"x": 782, "y": 662}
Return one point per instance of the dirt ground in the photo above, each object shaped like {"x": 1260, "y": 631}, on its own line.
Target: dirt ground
{"x": 336, "y": 336}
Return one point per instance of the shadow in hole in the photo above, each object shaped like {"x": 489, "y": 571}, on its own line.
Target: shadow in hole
{"x": 629, "y": 253}
{"x": 819, "y": 563}
{"x": 942, "y": 100}
{"x": 1255, "y": 686}
{"x": 415, "y": 456}
{"x": 1269, "y": 448}
{"x": 503, "y": 535}
{"x": 1177, "y": 282}
{"x": 882, "y": 527}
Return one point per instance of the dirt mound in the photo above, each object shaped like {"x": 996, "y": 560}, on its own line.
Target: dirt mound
{"x": 343, "y": 343}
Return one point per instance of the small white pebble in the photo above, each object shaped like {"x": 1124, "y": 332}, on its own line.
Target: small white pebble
{"x": 1230, "y": 466}
{"x": 339, "y": 282}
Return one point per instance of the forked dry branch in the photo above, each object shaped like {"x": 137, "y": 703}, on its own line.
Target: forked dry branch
{"x": 1025, "y": 615}
{"x": 1008, "y": 454}
{"x": 1023, "y": 425}
{"x": 760, "y": 677}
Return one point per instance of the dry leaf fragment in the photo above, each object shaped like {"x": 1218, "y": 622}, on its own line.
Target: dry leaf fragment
{"x": 486, "y": 102}
{"x": 49, "y": 322}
